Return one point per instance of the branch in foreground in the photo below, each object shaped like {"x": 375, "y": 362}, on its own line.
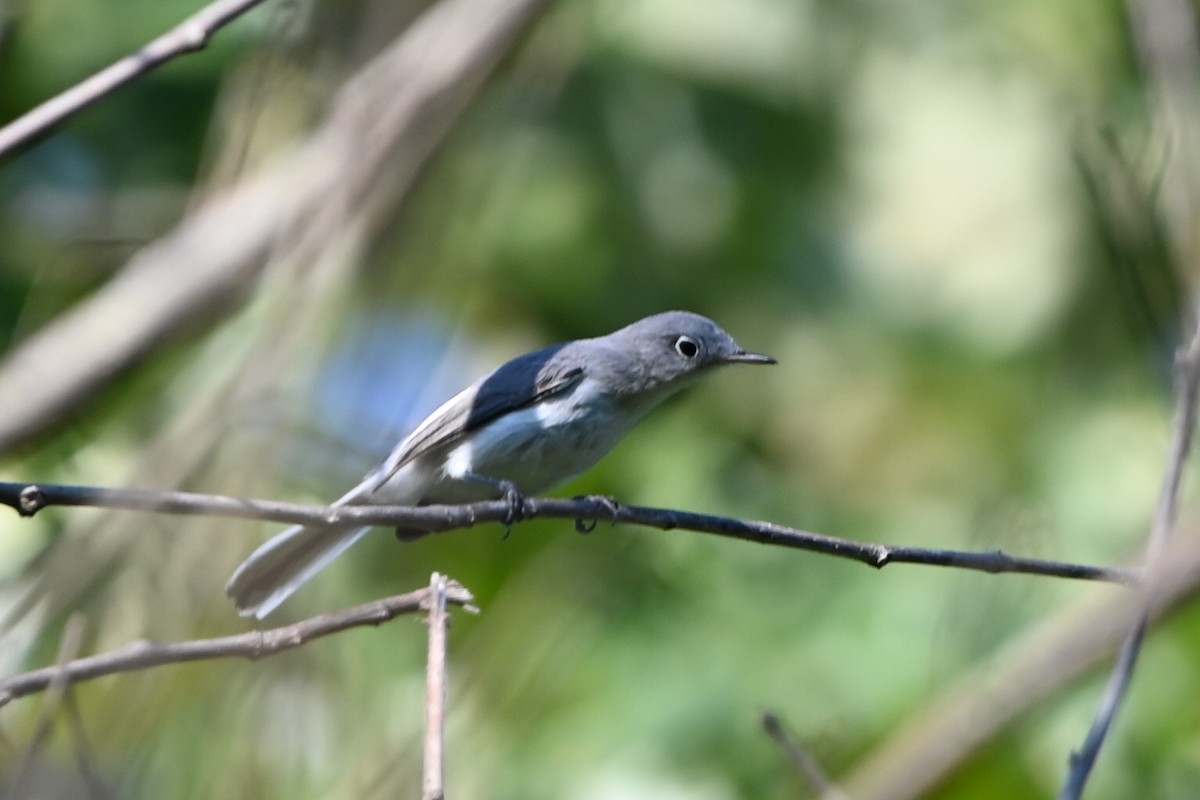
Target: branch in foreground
{"x": 251, "y": 645}
{"x": 187, "y": 37}
{"x": 383, "y": 126}
{"x": 28, "y": 499}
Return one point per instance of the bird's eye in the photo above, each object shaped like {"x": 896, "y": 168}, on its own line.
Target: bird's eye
{"x": 686, "y": 346}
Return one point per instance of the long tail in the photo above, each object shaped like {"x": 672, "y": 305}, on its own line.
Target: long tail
{"x": 284, "y": 564}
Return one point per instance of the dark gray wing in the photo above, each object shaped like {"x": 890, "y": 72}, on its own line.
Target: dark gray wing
{"x": 521, "y": 382}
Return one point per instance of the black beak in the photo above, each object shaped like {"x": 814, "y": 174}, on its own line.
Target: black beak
{"x": 742, "y": 357}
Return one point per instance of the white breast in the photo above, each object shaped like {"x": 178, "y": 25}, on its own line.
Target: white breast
{"x": 536, "y": 448}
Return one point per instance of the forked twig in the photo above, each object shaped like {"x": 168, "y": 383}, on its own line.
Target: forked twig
{"x": 251, "y": 645}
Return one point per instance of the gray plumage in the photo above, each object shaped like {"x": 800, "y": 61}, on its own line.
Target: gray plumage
{"x": 535, "y": 422}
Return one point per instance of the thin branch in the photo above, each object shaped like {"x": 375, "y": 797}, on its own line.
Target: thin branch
{"x": 804, "y": 763}
{"x": 251, "y": 645}
{"x": 28, "y": 499}
{"x": 191, "y": 35}
{"x": 433, "y": 784}
{"x": 1187, "y": 391}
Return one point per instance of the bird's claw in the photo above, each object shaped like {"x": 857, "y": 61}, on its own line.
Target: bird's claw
{"x": 610, "y": 505}
{"x": 515, "y": 499}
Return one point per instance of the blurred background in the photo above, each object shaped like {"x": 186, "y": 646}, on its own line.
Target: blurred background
{"x": 957, "y": 225}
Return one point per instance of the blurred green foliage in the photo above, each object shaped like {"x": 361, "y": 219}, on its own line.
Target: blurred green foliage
{"x": 885, "y": 196}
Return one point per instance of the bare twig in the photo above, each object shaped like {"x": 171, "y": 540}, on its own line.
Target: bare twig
{"x": 189, "y": 36}
{"x": 433, "y": 787}
{"x": 800, "y": 759}
{"x": 1187, "y": 387}
{"x": 28, "y": 499}
{"x": 251, "y": 645}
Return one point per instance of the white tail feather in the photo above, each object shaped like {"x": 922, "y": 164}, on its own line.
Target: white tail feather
{"x": 285, "y": 563}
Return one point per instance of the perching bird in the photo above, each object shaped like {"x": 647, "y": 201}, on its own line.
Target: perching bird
{"x": 533, "y": 423}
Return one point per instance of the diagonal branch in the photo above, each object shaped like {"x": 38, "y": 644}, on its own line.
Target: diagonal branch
{"x": 1165, "y": 35}
{"x": 960, "y": 720}
{"x": 801, "y": 759}
{"x": 1187, "y": 395}
{"x": 251, "y": 645}
{"x": 28, "y": 499}
{"x": 189, "y": 36}
{"x": 383, "y": 127}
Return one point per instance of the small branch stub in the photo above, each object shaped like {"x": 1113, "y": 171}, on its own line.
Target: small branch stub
{"x": 32, "y": 500}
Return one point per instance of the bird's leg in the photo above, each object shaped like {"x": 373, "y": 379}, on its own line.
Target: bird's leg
{"x": 509, "y": 492}
{"x": 610, "y": 505}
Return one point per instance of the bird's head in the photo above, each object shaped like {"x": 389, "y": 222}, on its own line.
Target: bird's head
{"x": 671, "y": 350}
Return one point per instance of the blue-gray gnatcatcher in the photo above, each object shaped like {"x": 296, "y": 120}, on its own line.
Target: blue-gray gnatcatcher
{"x": 532, "y": 424}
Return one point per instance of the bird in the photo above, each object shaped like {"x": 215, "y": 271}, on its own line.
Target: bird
{"x": 531, "y": 424}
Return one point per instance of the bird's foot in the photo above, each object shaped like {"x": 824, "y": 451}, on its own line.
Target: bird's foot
{"x": 610, "y": 505}
{"x": 512, "y": 495}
